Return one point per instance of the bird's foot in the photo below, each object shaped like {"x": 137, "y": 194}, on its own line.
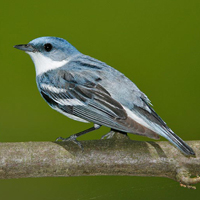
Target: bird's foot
{"x": 71, "y": 138}
{"x": 115, "y": 135}
{"x": 109, "y": 135}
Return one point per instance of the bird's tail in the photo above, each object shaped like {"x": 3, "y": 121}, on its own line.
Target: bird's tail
{"x": 177, "y": 141}
{"x": 158, "y": 126}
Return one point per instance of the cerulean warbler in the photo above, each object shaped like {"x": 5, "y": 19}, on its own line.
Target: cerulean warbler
{"x": 88, "y": 90}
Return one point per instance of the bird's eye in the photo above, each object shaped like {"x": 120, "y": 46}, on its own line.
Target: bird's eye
{"x": 47, "y": 47}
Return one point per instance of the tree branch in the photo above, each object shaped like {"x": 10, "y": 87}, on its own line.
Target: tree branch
{"x": 116, "y": 156}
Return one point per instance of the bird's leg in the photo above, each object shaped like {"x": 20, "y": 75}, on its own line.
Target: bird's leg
{"x": 73, "y": 137}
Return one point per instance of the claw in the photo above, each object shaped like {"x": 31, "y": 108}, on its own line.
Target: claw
{"x": 60, "y": 138}
{"x": 109, "y": 135}
{"x": 71, "y": 138}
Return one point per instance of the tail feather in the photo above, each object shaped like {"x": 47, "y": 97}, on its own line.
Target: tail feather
{"x": 160, "y": 127}
{"x": 178, "y": 142}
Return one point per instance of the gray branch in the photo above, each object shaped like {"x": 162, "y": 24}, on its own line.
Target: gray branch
{"x": 118, "y": 156}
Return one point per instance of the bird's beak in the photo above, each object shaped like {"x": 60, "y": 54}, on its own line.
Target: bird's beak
{"x": 25, "y": 47}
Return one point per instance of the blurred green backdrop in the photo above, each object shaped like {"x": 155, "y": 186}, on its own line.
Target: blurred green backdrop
{"x": 155, "y": 43}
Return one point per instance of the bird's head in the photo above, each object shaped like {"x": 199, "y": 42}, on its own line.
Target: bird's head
{"x": 48, "y": 53}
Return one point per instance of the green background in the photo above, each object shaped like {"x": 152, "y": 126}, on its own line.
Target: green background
{"x": 155, "y": 43}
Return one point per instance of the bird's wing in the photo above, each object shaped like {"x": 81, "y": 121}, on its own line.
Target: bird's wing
{"x": 78, "y": 96}
{"x": 118, "y": 86}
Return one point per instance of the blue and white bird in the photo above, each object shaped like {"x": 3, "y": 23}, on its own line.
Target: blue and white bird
{"x": 88, "y": 90}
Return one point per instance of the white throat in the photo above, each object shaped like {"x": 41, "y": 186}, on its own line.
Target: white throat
{"x": 44, "y": 64}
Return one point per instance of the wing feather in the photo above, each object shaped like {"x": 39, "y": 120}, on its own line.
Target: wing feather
{"x": 89, "y": 101}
